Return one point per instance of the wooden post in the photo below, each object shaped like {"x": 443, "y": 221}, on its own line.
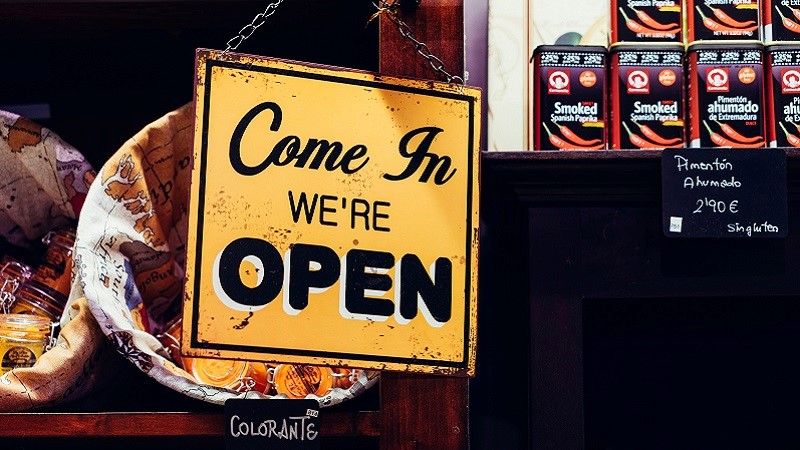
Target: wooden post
{"x": 424, "y": 411}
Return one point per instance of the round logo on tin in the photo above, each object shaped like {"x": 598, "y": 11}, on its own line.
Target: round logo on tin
{"x": 747, "y": 75}
{"x": 587, "y": 78}
{"x": 717, "y": 80}
{"x": 790, "y": 81}
{"x": 558, "y": 82}
{"x": 667, "y": 77}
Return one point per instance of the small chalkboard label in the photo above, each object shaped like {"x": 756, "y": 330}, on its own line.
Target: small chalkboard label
{"x": 271, "y": 424}
{"x": 724, "y": 193}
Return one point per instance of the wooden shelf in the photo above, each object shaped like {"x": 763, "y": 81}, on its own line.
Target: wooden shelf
{"x": 163, "y": 424}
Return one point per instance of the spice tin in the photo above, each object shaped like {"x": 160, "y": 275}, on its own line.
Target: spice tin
{"x": 783, "y": 94}
{"x": 298, "y": 381}
{"x": 647, "y": 108}
{"x": 722, "y": 20}
{"x": 569, "y": 109}
{"x": 646, "y": 21}
{"x": 781, "y": 20}
{"x": 55, "y": 270}
{"x": 30, "y": 299}
{"x": 726, "y": 95}
{"x": 23, "y": 339}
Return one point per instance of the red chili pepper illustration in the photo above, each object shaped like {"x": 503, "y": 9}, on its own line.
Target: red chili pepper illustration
{"x": 564, "y": 145}
{"x": 795, "y": 12}
{"x": 735, "y": 135}
{"x": 730, "y": 21}
{"x": 794, "y": 141}
{"x": 716, "y": 26}
{"x": 723, "y": 141}
{"x": 655, "y": 137}
{"x": 789, "y": 24}
{"x": 574, "y": 138}
{"x": 638, "y": 140}
{"x": 653, "y": 23}
{"x": 638, "y": 28}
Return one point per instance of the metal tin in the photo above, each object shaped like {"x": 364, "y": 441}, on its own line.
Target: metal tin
{"x": 781, "y": 20}
{"x": 647, "y": 86}
{"x": 569, "y": 111}
{"x": 782, "y": 79}
{"x": 646, "y": 21}
{"x": 722, "y": 20}
{"x": 726, "y": 95}
{"x": 23, "y": 339}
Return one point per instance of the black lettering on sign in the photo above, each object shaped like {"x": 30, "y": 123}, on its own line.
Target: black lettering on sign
{"x": 290, "y": 148}
{"x": 326, "y": 206}
{"x": 440, "y": 164}
{"x": 366, "y": 276}
{"x": 724, "y": 193}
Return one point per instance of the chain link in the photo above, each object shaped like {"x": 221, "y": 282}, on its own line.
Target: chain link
{"x": 248, "y": 30}
{"x": 383, "y": 6}
{"x": 390, "y": 10}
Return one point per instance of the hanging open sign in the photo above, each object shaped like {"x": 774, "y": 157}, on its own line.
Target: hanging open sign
{"x": 333, "y": 217}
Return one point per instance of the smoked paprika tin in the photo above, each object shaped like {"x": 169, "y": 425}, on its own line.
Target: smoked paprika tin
{"x": 569, "y": 99}
{"x": 646, "y": 21}
{"x": 647, "y": 86}
{"x": 722, "y": 20}
{"x": 783, "y": 94}
{"x": 781, "y": 20}
{"x": 726, "y": 94}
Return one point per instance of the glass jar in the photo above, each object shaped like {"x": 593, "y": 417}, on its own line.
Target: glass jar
{"x": 298, "y": 381}
{"x": 240, "y": 376}
{"x": 13, "y": 274}
{"x": 55, "y": 270}
{"x": 23, "y": 339}
{"x": 32, "y": 300}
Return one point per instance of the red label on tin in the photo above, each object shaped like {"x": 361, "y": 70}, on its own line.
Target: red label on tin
{"x": 790, "y": 81}
{"x": 638, "y": 82}
{"x": 717, "y": 80}
{"x": 558, "y": 82}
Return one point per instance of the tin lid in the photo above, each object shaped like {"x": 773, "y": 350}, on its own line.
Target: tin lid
{"x": 646, "y": 47}
{"x": 725, "y": 45}
{"x": 776, "y": 46}
{"x": 570, "y": 48}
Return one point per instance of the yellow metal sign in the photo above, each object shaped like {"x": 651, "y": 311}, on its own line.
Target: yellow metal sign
{"x": 333, "y": 217}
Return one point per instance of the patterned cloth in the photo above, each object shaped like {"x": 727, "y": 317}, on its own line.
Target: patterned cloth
{"x": 131, "y": 251}
{"x": 43, "y": 183}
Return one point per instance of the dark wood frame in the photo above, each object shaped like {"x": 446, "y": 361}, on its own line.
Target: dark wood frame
{"x": 549, "y": 210}
{"x": 416, "y": 411}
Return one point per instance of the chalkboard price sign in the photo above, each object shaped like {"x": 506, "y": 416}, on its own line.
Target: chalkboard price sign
{"x": 271, "y": 424}
{"x": 724, "y": 193}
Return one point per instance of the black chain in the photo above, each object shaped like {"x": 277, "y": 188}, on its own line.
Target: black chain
{"x": 250, "y": 28}
{"x": 390, "y": 10}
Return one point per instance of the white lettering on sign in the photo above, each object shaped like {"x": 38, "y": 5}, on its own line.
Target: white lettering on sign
{"x": 292, "y": 429}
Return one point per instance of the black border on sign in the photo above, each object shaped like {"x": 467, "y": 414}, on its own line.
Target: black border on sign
{"x": 195, "y": 343}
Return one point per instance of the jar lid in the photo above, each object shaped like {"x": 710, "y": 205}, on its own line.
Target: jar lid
{"x": 26, "y": 324}
{"x": 297, "y": 381}
{"x": 218, "y": 372}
